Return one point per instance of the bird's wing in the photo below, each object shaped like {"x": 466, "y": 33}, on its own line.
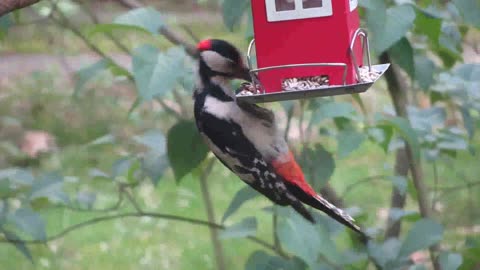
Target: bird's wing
{"x": 228, "y": 142}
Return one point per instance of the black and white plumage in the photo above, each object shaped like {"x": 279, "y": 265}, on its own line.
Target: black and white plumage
{"x": 245, "y": 138}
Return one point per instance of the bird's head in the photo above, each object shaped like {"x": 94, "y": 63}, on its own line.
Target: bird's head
{"x": 220, "y": 60}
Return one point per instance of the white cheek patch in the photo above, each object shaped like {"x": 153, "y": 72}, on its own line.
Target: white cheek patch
{"x": 217, "y": 62}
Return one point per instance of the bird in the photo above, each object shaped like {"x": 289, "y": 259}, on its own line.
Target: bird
{"x": 245, "y": 137}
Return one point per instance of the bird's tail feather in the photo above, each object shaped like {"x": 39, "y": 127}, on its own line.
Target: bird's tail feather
{"x": 325, "y": 206}
{"x": 339, "y": 215}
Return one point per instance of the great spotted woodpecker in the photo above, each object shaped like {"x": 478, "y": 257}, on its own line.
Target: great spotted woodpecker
{"x": 245, "y": 138}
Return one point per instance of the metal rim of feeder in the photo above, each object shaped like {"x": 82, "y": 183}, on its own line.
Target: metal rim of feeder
{"x": 365, "y": 48}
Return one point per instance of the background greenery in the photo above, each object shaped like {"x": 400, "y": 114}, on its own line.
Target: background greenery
{"x": 129, "y": 184}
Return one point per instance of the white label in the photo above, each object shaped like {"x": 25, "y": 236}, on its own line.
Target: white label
{"x": 353, "y": 4}
{"x": 286, "y": 13}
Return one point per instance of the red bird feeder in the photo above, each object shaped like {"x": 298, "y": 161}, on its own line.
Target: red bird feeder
{"x": 308, "y": 48}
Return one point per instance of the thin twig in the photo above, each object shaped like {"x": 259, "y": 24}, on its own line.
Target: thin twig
{"x": 289, "y": 122}
{"x": 170, "y": 35}
{"x": 328, "y": 262}
{"x": 133, "y": 202}
{"x": 95, "y": 20}
{"x": 468, "y": 185}
{"x": 136, "y": 214}
{"x": 65, "y": 23}
{"x": 276, "y": 240}
{"x": 180, "y": 101}
{"x": 114, "y": 207}
{"x": 169, "y": 109}
{"x": 207, "y": 200}
{"x": 435, "y": 185}
{"x": 300, "y": 122}
{"x": 349, "y": 188}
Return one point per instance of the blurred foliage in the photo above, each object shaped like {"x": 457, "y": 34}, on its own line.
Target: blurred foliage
{"x": 424, "y": 38}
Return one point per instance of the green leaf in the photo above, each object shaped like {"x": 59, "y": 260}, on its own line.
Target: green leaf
{"x": 376, "y": 15}
{"x": 468, "y": 122}
{"x": 448, "y": 140}
{"x": 468, "y": 72}
{"x": 450, "y": 261}
{"x": 395, "y": 214}
{"x": 318, "y": 165}
{"x": 88, "y": 73}
{"x": 246, "y": 227}
{"x": 348, "y": 141}
{"x": 154, "y": 164}
{"x": 132, "y": 173}
{"x": 233, "y": 11}
{"x": 469, "y": 9}
{"x": 243, "y": 195}
{"x": 153, "y": 139}
{"x": 121, "y": 166}
{"x": 49, "y": 186}
{"x": 19, "y": 245}
{"x": 307, "y": 241}
{"x": 105, "y": 139}
{"x": 30, "y": 222}
{"x": 428, "y": 24}
{"x": 451, "y": 38}
{"x": 185, "y": 148}
{"x": 402, "y": 126}
{"x": 424, "y": 69}
{"x": 260, "y": 260}
{"x": 5, "y": 23}
{"x": 330, "y": 109}
{"x": 146, "y": 18}
{"x": 381, "y": 135}
{"x": 470, "y": 257}
{"x": 385, "y": 254}
{"x": 360, "y": 103}
{"x": 18, "y": 177}
{"x": 388, "y": 25}
{"x": 402, "y": 54}
{"x": 86, "y": 199}
{"x": 5, "y": 188}
{"x": 423, "y": 234}
{"x": 157, "y": 73}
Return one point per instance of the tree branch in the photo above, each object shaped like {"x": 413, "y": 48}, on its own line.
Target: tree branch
{"x": 7, "y": 6}
{"x": 398, "y": 88}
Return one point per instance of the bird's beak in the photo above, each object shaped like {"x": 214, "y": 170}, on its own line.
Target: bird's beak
{"x": 244, "y": 74}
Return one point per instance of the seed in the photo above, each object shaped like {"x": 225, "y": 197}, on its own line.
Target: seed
{"x": 305, "y": 83}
